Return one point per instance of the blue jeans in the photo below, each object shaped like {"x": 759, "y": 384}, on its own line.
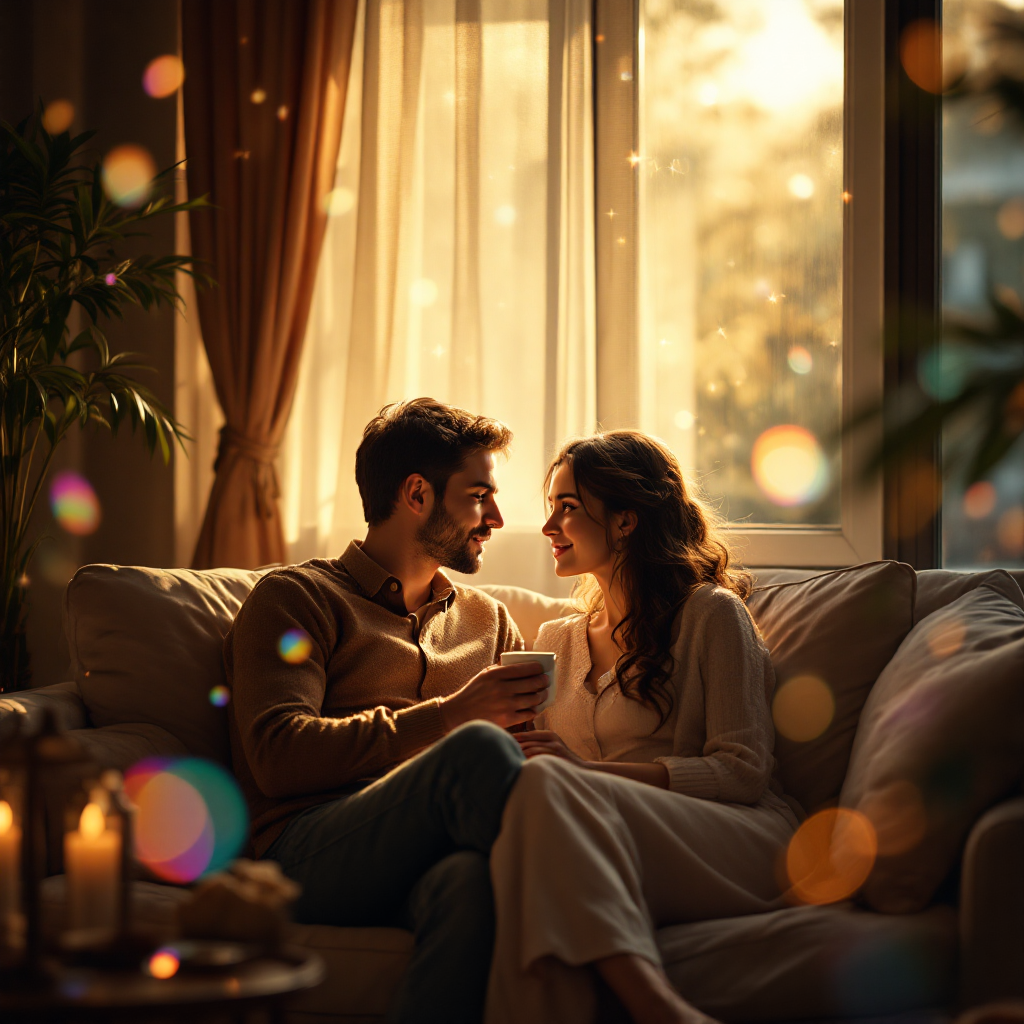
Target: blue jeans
{"x": 411, "y": 850}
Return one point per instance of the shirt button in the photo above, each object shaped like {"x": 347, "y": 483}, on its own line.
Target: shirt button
{"x": 394, "y": 587}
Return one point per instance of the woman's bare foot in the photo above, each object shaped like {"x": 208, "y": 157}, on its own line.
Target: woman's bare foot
{"x": 646, "y": 993}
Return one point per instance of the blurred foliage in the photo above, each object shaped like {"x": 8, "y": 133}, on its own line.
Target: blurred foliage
{"x": 59, "y": 242}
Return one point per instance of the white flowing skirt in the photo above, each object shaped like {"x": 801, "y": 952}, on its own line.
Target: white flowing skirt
{"x": 589, "y": 864}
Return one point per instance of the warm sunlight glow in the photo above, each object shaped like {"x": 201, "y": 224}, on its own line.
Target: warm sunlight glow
{"x": 92, "y": 823}
{"x": 801, "y": 186}
{"x": 830, "y": 856}
{"x": 946, "y": 638}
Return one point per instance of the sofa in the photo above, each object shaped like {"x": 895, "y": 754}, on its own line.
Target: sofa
{"x": 925, "y": 674}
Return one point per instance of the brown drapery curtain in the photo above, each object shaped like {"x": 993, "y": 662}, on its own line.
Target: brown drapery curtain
{"x": 264, "y": 98}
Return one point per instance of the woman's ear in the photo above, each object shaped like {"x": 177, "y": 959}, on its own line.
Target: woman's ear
{"x": 626, "y": 523}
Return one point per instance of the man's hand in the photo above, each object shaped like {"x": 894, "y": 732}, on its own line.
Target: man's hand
{"x": 544, "y": 742}
{"x": 503, "y": 694}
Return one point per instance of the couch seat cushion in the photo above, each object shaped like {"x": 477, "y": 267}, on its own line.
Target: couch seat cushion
{"x": 814, "y": 962}
{"x": 842, "y": 628}
{"x": 145, "y": 646}
{"x": 941, "y": 738}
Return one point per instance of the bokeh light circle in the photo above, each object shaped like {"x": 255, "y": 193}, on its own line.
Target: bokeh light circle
{"x": 800, "y": 360}
{"x": 74, "y": 503}
{"x": 423, "y": 292}
{"x": 830, "y": 856}
{"x": 294, "y": 646}
{"x": 58, "y": 116}
{"x": 921, "y": 54}
{"x": 163, "y": 76}
{"x": 1010, "y": 531}
{"x": 128, "y": 173}
{"x": 220, "y": 696}
{"x": 979, "y": 500}
{"x": 339, "y": 201}
{"x": 789, "y": 465}
{"x": 191, "y": 818}
{"x": 801, "y": 186}
{"x": 164, "y": 963}
{"x": 1010, "y": 219}
{"x": 803, "y": 708}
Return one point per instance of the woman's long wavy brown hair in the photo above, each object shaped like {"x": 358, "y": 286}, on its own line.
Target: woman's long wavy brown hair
{"x": 675, "y": 547}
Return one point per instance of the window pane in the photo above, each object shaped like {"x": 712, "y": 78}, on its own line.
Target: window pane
{"x": 982, "y": 256}
{"x": 741, "y": 224}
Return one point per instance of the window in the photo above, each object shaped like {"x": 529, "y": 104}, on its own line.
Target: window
{"x": 638, "y": 221}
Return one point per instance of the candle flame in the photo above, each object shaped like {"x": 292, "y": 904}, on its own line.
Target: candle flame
{"x": 92, "y": 824}
{"x": 6, "y": 817}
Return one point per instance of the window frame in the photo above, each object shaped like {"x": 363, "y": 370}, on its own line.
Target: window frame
{"x": 618, "y": 79}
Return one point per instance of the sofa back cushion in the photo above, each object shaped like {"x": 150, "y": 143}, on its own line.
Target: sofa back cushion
{"x": 145, "y": 647}
{"x": 841, "y": 628}
{"x": 941, "y": 737}
{"x": 529, "y": 610}
{"x": 937, "y": 588}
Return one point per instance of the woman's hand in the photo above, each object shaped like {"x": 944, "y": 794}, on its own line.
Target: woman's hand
{"x": 543, "y": 741}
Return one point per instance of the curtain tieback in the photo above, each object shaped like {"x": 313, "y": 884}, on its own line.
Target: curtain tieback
{"x": 264, "y": 476}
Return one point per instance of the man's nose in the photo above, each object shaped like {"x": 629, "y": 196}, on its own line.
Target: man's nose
{"x": 492, "y": 517}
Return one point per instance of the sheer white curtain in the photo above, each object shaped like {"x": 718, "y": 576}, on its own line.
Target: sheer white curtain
{"x": 459, "y": 258}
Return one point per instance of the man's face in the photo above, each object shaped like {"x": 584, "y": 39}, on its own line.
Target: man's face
{"x": 458, "y": 527}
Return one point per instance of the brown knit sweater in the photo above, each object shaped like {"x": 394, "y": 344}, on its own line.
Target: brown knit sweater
{"x": 366, "y": 698}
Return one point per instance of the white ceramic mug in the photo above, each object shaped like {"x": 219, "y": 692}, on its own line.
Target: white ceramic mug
{"x": 547, "y": 661}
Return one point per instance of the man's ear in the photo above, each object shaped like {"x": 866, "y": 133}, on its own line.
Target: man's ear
{"x": 416, "y": 495}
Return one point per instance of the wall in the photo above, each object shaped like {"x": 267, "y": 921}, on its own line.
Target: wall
{"x": 93, "y": 53}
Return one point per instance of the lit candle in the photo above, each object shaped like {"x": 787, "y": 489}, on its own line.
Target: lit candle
{"x": 10, "y": 853}
{"x": 92, "y": 861}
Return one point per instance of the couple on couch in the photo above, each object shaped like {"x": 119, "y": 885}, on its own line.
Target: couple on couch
{"x": 381, "y": 773}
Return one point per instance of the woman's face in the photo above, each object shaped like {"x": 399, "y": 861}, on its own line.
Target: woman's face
{"x": 578, "y": 542}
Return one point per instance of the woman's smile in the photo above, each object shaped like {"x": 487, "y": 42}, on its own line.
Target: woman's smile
{"x": 559, "y": 549}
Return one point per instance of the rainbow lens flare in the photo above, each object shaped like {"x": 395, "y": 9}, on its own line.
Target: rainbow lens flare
{"x": 191, "y": 816}
{"x": 128, "y": 173}
{"x": 789, "y": 465}
{"x": 294, "y": 646}
{"x": 163, "y": 76}
{"x": 74, "y": 503}
{"x": 220, "y": 696}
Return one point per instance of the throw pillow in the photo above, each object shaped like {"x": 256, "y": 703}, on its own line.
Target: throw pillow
{"x": 145, "y": 647}
{"x": 941, "y": 738}
{"x": 838, "y": 629}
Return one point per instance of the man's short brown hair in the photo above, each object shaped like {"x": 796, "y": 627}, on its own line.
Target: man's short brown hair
{"x": 420, "y": 436}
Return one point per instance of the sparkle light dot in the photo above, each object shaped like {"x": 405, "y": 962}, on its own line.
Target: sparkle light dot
{"x": 163, "y": 76}
{"x": 294, "y": 646}
{"x": 58, "y": 116}
{"x": 128, "y": 173}
{"x": 282, "y": 113}
{"x": 257, "y": 96}
{"x": 847, "y": 197}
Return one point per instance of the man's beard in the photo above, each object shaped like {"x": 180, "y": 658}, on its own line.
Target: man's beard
{"x": 444, "y": 540}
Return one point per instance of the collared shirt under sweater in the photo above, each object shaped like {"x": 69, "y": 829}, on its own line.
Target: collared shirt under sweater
{"x": 368, "y": 695}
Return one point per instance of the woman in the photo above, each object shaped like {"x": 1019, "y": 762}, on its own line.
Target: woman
{"x": 648, "y": 798}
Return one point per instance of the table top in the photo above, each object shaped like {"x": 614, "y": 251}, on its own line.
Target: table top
{"x": 265, "y": 977}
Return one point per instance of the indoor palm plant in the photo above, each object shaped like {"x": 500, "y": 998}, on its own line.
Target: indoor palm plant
{"x": 61, "y": 276}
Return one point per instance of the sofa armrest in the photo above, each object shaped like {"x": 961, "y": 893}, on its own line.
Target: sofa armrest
{"x": 63, "y": 699}
{"x": 992, "y": 907}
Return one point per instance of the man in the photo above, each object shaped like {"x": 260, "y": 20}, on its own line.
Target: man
{"x": 372, "y": 770}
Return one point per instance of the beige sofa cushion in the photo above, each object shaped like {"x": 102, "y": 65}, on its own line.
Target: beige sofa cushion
{"x": 941, "y": 738}
{"x": 529, "y": 610}
{"x": 145, "y": 647}
{"x": 842, "y": 627}
{"x": 938, "y": 587}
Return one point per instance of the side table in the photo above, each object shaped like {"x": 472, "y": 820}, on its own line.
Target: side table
{"x": 258, "y": 989}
